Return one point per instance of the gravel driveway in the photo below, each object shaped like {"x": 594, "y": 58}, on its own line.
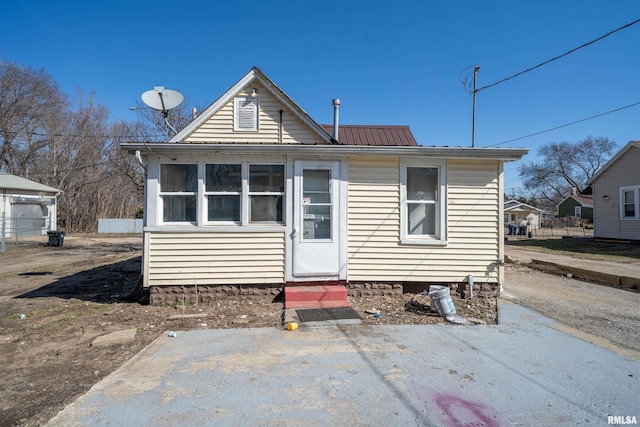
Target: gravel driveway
{"x": 606, "y": 316}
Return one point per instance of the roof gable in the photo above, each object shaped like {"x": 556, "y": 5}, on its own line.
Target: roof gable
{"x": 630, "y": 146}
{"x": 255, "y": 77}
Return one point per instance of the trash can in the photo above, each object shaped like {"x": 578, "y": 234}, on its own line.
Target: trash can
{"x": 56, "y": 238}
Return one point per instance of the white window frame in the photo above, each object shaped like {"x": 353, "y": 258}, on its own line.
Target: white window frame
{"x": 202, "y": 206}
{"x": 440, "y": 237}
{"x": 636, "y": 202}
{"x": 246, "y": 196}
{"x": 205, "y": 199}
{"x": 237, "y": 109}
{"x": 161, "y": 195}
{"x": 577, "y": 211}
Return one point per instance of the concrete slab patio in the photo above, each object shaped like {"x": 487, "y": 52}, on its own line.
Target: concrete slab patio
{"x": 521, "y": 372}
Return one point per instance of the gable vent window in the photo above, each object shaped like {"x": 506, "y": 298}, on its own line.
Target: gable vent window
{"x": 246, "y": 114}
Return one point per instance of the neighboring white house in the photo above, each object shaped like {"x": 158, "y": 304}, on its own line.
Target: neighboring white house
{"x": 616, "y": 196}
{"x": 255, "y": 192}
{"x": 27, "y": 208}
{"x": 515, "y": 212}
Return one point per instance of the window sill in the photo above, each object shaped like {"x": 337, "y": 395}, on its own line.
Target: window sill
{"x": 423, "y": 242}
{"x": 215, "y": 228}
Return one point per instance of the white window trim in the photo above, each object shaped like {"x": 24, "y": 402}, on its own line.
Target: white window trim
{"x": 236, "y": 114}
{"x": 205, "y": 199}
{"x": 202, "y": 202}
{"x": 246, "y": 194}
{"x": 441, "y": 220}
{"x": 177, "y": 193}
{"x": 636, "y": 200}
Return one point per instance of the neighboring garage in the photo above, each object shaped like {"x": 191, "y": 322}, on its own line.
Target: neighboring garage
{"x": 27, "y": 208}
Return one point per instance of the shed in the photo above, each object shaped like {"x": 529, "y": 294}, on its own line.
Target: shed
{"x": 616, "y": 196}
{"x": 27, "y": 208}
{"x": 255, "y": 193}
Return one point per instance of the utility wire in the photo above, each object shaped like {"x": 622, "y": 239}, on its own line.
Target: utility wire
{"x": 565, "y": 125}
{"x": 61, "y": 135}
{"x": 559, "y": 56}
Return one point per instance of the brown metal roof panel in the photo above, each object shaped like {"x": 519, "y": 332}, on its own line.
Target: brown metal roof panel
{"x": 373, "y": 135}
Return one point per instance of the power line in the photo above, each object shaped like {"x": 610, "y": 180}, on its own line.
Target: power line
{"x": 565, "y": 125}
{"x": 61, "y": 135}
{"x": 559, "y": 56}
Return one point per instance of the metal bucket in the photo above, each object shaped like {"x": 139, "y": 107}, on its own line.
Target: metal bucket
{"x": 441, "y": 300}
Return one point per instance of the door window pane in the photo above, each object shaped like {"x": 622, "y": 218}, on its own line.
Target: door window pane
{"x": 316, "y": 204}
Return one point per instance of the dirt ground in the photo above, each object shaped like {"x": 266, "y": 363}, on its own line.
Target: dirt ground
{"x": 54, "y": 301}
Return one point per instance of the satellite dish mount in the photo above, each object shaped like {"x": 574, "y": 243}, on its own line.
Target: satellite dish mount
{"x": 163, "y": 100}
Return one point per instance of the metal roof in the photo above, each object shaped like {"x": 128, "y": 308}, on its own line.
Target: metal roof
{"x": 373, "y": 135}
{"x": 12, "y": 182}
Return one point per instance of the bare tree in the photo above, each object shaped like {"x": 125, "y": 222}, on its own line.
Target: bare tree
{"x": 75, "y": 148}
{"x": 566, "y": 165}
{"x": 30, "y": 101}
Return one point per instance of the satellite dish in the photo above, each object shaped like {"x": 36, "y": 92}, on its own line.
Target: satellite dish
{"x": 162, "y": 99}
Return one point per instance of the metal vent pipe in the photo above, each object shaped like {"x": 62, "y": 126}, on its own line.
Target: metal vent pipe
{"x": 336, "y": 114}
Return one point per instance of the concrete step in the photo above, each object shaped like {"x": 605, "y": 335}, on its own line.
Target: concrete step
{"x": 315, "y": 296}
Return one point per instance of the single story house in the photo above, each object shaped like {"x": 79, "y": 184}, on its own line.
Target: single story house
{"x": 578, "y": 206}
{"x": 516, "y": 212}
{"x": 616, "y": 196}
{"x": 27, "y": 208}
{"x": 254, "y": 192}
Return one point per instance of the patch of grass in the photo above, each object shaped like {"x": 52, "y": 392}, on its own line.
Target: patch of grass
{"x": 583, "y": 248}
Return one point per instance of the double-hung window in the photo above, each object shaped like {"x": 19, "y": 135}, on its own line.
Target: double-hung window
{"x": 243, "y": 193}
{"x": 266, "y": 193}
{"x": 179, "y": 192}
{"x": 223, "y": 191}
{"x": 630, "y": 202}
{"x": 423, "y": 203}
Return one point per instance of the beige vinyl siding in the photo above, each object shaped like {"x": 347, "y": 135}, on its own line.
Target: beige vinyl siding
{"x": 607, "y": 223}
{"x": 219, "y": 128}
{"x": 215, "y": 258}
{"x": 473, "y": 221}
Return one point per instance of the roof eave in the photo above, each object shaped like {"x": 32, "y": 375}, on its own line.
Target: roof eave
{"x": 504, "y": 154}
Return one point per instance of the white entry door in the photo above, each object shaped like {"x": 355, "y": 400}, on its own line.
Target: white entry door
{"x": 316, "y": 239}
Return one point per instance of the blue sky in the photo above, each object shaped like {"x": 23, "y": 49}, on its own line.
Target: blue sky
{"x": 390, "y": 62}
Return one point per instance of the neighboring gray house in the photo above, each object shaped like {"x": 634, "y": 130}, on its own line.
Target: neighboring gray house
{"x": 27, "y": 208}
{"x": 616, "y": 196}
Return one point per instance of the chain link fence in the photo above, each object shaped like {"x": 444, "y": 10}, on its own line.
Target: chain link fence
{"x": 23, "y": 230}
